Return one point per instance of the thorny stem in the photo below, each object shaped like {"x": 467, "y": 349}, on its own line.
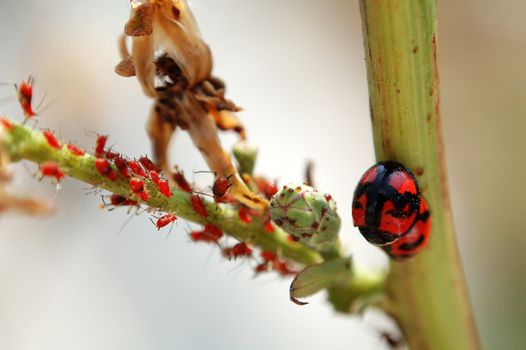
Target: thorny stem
{"x": 427, "y": 295}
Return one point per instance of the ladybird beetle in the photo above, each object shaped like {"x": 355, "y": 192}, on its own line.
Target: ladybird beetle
{"x": 416, "y": 239}
{"x": 386, "y": 202}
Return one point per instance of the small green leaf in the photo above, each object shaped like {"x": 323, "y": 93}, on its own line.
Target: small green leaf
{"x": 315, "y": 278}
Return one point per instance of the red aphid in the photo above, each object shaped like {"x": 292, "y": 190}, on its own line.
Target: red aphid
{"x": 51, "y": 169}
{"x": 221, "y": 186}
{"x": 111, "y": 155}
{"x": 118, "y": 200}
{"x": 154, "y": 175}
{"x": 6, "y": 123}
{"x": 105, "y": 169}
{"x": 268, "y": 256}
{"x": 162, "y": 185}
{"x": 137, "y": 168}
{"x": 24, "y": 93}
{"x": 245, "y": 215}
{"x": 210, "y": 233}
{"x": 213, "y": 230}
{"x": 165, "y": 220}
{"x": 149, "y": 165}
{"x": 263, "y": 267}
{"x": 181, "y": 182}
{"x": 122, "y": 166}
{"x": 198, "y": 206}
{"x": 269, "y": 227}
{"x": 282, "y": 268}
{"x": 51, "y": 139}
{"x": 267, "y": 188}
{"x": 272, "y": 262}
{"x": 99, "y": 146}
{"x": 75, "y": 150}
{"x": 238, "y": 250}
{"x": 137, "y": 187}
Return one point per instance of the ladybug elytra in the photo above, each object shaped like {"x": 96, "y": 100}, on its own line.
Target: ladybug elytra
{"x": 386, "y": 202}
{"x": 415, "y": 240}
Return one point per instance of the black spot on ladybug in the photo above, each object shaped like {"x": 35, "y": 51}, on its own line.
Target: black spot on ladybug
{"x": 397, "y": 213}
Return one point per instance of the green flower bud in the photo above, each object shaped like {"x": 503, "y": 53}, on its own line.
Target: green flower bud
{"x": 308, "y": 215}
{"x": 245, "y": 154}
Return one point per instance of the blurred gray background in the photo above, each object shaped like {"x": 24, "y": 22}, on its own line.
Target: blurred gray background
{"x": 70, "y": 281}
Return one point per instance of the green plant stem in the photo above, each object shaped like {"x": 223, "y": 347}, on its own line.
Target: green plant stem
{"x": 24, "y": 143}
{"x": 427, "y": 295}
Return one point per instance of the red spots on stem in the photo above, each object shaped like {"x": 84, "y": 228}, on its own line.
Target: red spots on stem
{"x": 137, "y": 187}
{"x": 118, "y": 200}
{"x": 181, "y": 182}
{"x": 148, "y": 164}
{"x": 122, "y": 165}
{"x": 51, "y": 169}
{"x": 198, "y": 206}
{"x": 209, "y": 234}
{"x": 239, "y": 250}
{"x": 267, "y": 188}
{"x": 271, "y": 261}
{"x": 104, "y": 168}
{"x": 162, "y": 185}
{"x": 75, "y": 150}
{"x": 269, "y": 227}
{"x": 51, "y": 139}
{"x": 137, "y": 168}
{"x": 245, "y": 215}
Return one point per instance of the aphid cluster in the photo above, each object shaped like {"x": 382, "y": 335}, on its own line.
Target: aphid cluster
{"x": 389, "y": 210}
{"x": 111, "y": 165}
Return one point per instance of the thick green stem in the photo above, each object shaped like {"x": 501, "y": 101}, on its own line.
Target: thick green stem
{"x": 428, "y": 294}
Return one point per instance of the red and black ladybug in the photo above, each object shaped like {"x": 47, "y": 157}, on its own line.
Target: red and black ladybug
{"x": 415, "y": 240}
{"x": 386, "y": 202}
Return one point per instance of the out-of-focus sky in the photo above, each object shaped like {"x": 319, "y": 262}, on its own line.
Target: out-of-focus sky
{"x": 296, "y": 66}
